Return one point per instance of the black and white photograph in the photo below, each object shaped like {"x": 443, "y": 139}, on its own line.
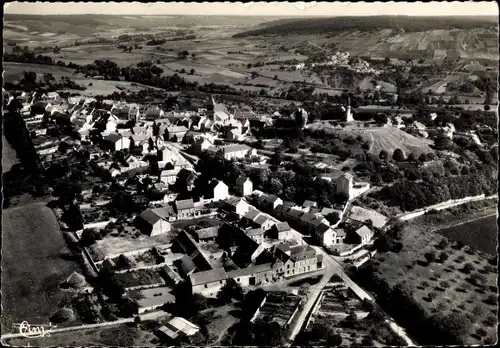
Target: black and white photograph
{"x": 284, "y": 174}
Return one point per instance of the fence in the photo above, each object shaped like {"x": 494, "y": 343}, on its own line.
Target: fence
{"x": 148, "y": 286}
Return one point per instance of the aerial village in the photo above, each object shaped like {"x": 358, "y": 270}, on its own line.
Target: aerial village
{"x": 192, "y": 230}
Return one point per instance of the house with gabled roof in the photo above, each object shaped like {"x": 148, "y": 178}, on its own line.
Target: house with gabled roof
{"x": 237, "y": 205}
{"x": 257, "y": 234}
{"x": 217, "y": 190}
{"x": 362, "y": 235}
{"x": 153, "y": 222}
{"x": 208, "y": 282}
{"x": 264, "y": 221}
{"x": 175, "y": 133}
{"x": 281, "y": 231}
{"x": 185, "y": 209}
{"x": 244, "y": 186}
{"x": 115, "y": 142}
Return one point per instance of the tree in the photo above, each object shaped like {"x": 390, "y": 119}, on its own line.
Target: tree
{"x": 128, "y": 307}
{"x": 430, "y": 256}
{"x": 411, "y": 157}
{"x": 468, "y": 267}
{"x": 89, "y": 237}
{"x": 398, "y": 155}
{"x": 123, "y": 262}
{"x": 230, "y": 290}
{"x": 193, "y": 55}
{"x": 191, "y": 72}
{"x": 183, "y": 54}
{"x": 383, "y": 155}
{"x": 449, "y": 328}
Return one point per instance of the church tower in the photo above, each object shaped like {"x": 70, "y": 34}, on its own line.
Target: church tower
{"x": 348, "y": 113}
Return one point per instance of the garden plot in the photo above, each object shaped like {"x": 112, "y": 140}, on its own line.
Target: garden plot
{"x": 357, "y": 322}
{"x": 281, "y": 307}
{"x": 140, "y": 277}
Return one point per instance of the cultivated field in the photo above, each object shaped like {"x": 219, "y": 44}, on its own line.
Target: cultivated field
{"x": 35, "y": 261}
{"x": 481, "y": 234}
{"x": 464, "y": 283}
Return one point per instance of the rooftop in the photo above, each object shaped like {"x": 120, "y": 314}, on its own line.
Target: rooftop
{"x": 210, "y": 276}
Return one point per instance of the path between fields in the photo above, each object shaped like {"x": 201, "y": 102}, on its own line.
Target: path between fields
{"x": 146, "y": 316}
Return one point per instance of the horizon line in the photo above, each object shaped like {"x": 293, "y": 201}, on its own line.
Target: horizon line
{"x": 245, "y": 15}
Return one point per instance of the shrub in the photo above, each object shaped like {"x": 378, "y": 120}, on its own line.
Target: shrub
{"x": 443, "y": 243}
{"x": 430, "y": 256}
{"x": 491, "y": 299}
{"x": 468, "y": 267}
{"x": 443, "y": 256}
{"x": 432, "y": 296}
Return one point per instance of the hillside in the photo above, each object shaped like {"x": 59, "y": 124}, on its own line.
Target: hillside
{"x": 388, "y": 139}
{"x": 335, "y": 24}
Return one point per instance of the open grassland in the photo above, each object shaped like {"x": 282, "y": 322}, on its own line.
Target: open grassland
{"x": 35, "y": 260}
{"x": 9, "y": 156}
{"x": 464, "y": 283}
{"x": 123, "y": 335}
{"x": 381, "y": 138}
{"x": 390, "y": 139}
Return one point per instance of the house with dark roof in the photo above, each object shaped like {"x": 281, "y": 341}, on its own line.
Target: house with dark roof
{"x": 185, "y": 209}
{"x": 326, "y": 236}
{"x": 153, "y": 222}
{"x": 185, "y": 265}
{"x": 244, "y": 186}
{"x": 185, "y": 179}
{"x": 206, "y": 234}
{"x": 115, "y": 142}
{"x": 237, "y": 205}
{"x": 281, "y": 231}
{"x": 185, "y": 244}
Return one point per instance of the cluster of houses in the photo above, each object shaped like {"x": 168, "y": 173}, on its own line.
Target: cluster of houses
{"x": 261, "y": 239}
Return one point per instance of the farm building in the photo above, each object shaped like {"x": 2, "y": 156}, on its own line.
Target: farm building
{"x": 153, "y": 222}
{"x": 176, "y": 329}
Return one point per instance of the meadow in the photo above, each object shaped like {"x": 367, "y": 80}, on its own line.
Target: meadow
{"x": 35, "y": 261}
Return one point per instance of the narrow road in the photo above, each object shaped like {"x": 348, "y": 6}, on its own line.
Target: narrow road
{"x": 364, "y": 295}
{"x": 331, "y": 267}
{"x": 441, "y": 206}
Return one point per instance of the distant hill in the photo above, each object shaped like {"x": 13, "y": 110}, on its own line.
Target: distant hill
{"x": 299, "y": 26}
{"x": 135, "y": 21}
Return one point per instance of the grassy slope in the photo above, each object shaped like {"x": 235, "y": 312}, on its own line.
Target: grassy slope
{"x": 9, "y": 156}
{"x": 35, "y": 260}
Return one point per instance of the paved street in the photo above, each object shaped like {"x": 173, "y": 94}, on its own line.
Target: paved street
{"x": 333, "y": 267}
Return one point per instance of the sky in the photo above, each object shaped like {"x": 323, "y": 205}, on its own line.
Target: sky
{"x": 260, "y": 8}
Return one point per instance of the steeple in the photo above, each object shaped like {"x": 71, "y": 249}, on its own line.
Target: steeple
{"x": 348, "y": 113}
